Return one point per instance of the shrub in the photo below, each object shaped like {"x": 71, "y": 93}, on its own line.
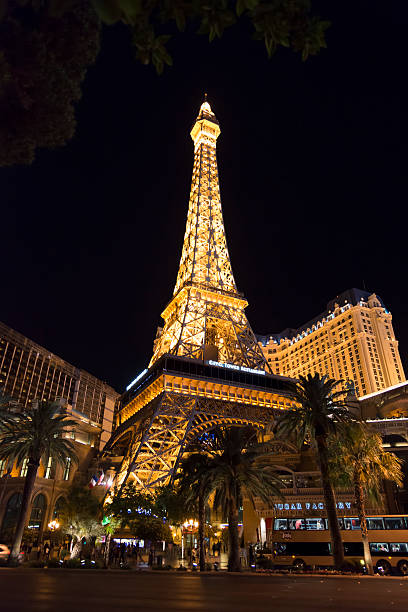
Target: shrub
{"x": 72, "y": 563}
{"x": 89, "y": 564}
{"x": 264, "y": 563}
{"x": 53, "y": 563}
{"x": 352, "y": 566}
{"x": 36, "y": 564}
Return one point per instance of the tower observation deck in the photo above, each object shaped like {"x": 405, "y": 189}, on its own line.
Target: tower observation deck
{"x": 207, "y": 367}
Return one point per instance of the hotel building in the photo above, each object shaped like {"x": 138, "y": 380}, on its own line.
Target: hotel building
{"x": 353, "y": 339}
{"x": 30, "y": 372}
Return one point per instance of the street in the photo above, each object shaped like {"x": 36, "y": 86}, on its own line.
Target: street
{"x": 26, "y": 590}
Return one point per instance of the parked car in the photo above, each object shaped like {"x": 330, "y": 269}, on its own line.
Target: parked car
{"x": 4, "y": 552}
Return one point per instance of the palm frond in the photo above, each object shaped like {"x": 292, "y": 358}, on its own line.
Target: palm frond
{"x": 231, "y": 463}
{"x": 36, "y": 434}
{"x": 357, "y": 455}
{"x": 320, "y": 408}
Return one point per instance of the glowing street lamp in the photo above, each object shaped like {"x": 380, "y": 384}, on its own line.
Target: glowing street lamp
{"x": 53, "y": 525}
{"x": 190, "y": 524}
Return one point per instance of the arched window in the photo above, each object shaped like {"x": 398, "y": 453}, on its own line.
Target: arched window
{"x": 37, "y": 512}
{"x": 11, "y": 513}
{"x": 57, "y": 508}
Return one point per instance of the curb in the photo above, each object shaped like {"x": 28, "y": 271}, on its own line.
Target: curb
{"x": 218, "y": 574}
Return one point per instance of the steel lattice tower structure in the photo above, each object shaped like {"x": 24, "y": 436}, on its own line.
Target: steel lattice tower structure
{"x": 206, "y": 318}
{"x": 207, "y": 367}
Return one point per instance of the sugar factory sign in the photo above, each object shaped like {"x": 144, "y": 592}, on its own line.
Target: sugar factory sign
{"x": 311, "y": 506}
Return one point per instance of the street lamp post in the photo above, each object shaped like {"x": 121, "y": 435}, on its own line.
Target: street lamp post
{"x": 189, "y": 526}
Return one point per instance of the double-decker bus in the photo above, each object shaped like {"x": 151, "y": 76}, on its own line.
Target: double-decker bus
{"x": 305, "y": 542}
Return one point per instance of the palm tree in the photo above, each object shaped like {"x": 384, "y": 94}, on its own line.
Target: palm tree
{"x": 358, "y": 460}
{"x": 111, "y": 526}
{"x": 193, "y": 488}
{"x": 319, "y": 412}
{"x": 35, "y": 435}
{"x": 233, "y": 466}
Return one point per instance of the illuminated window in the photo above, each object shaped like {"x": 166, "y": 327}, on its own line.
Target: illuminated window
{"x": 48, "y": 471}
{"x": 58, "y": 507}
{"x": 37, "y": 512}
{"x": 67, "y": 469}
{"x": 11, "y": 513}
{"x": 24, "y": 468}
{"x": 3, "y": 464}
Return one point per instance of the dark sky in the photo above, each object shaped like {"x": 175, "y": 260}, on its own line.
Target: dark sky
{"x": 312, "y": 160}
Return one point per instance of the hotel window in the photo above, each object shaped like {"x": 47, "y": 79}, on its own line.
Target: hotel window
{"x": 48, "y": 469}
{"x": 67, "y": 469}
{"x": 3, "y": 464}
{"x": 24, "y": 468}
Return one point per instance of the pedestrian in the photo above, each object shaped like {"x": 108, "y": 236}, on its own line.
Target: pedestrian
{"x": 116, "y": 553}
{"x": 251, "y": 555}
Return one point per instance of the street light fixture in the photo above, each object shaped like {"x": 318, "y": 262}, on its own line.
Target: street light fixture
{"x": 53, "y": 525}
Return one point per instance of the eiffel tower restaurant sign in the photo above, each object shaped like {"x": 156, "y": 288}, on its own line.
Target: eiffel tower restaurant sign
{"x": 233, "y": 366}
{"x": 207, "y": 368}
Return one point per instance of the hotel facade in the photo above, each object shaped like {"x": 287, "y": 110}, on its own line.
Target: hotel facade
{"x": 353, "y": 339}
{"x": 30, "y": 373}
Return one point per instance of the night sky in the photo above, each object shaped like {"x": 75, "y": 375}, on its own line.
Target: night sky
{"x": 312, "y": 160}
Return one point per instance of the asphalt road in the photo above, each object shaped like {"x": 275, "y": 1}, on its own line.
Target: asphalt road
{"x": 29, "y": 590}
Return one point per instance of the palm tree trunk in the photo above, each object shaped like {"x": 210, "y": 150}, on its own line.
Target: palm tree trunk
{"x": 107, "y": 549}
{"x": 76, "y": 549}
{"x": 201, "y": 522}
{"x": 29, "y": 482}
{"x": 330, "y": 502}
{"x": 233, "y": 555}
{"x": 359, "y": 495}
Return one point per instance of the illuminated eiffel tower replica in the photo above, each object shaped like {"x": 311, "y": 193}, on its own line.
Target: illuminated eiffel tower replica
{"x": 207, "y": 367}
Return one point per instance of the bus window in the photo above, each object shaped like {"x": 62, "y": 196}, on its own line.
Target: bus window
{"x": 279, "y": 548}
{"x": 315, "y": 524}
{"x": 280, "y": 524}
{"x": 395, "y": 522}
{"x": 297, "y": 523}
{"x": 379, "y": 547}
{"x": 302, "y": 548}
{"x": 375, "y": 523}
{"x": 351, "y": 523}
{"x": 353, "y": 548}
{"x": 399, "y": 548}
